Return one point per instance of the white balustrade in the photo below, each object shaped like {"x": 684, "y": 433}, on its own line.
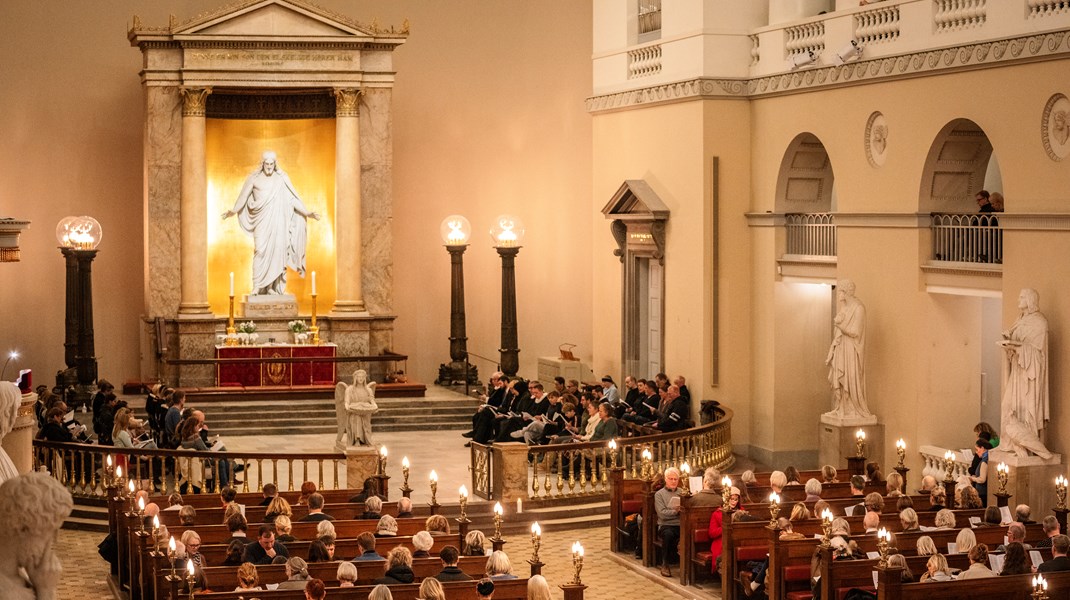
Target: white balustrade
{"x": 1047, "y": 8}
{"x": 810, "y": 234}
{"x": 756, "y": 49}
{"x": 933, "y": 457}
{"x": 969, "y": 237}
{"x": 955, "y": 15}
{"x": 808, "y": 37}
{"x": 643, "y": 62}
{"x": 649, "y": 16}
{"x": 875, "y": 26}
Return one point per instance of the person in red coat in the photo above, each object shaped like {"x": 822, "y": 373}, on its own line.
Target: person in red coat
{"x": 716, "y": 528}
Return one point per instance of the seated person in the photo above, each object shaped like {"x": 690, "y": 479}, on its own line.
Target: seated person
{"x": 450, "y": 556}
{"x": 404, "y": 508}
{"x": 315, "y": 509}
{"x": 265, "y": 548}
{"x": 366, "y": 543}
{"x": 978, "y": 564}
{"x": 373, "y": 509}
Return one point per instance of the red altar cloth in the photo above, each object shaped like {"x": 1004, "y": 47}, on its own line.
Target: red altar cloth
{"x": 262, "y": 371}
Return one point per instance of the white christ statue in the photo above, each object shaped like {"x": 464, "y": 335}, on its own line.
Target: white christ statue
{"x": 269, "y": 209}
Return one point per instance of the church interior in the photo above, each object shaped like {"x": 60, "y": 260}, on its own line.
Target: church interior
{"x": 698, "y": 181}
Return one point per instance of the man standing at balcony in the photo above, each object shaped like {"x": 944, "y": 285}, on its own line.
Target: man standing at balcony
{"x": 846, "y": 357}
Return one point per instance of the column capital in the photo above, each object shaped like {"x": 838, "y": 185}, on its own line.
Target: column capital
{"x": 347, "y": 102}
{"x": 194, "y": 101}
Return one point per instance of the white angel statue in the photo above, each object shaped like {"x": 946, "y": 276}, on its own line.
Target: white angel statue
{"x": 354, "y": 407}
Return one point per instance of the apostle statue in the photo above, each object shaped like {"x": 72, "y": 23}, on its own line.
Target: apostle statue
{"x": 1025, "y": 403}
{"x": 32, "y": 509}
{"x": 846, "y": 357}
{"x": 270, "y": 210}
{"x": 358, "y": 401}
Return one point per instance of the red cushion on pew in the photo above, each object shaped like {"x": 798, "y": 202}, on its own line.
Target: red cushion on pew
{"x": 702, "y": 558}
{"x": 753, "y": 553}
{"x": 797, "y": 573}
{"x": 799, "y": 596}
{"x": 631, "y": 506}
{"x": 702, "y": 536}
{"x": 841, "y": 593}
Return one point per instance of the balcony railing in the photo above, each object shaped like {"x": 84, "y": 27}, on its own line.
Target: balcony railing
{"x": 649, "y": 16}
{"x": 960, "y": 237}
{"x": 810, "y": 234}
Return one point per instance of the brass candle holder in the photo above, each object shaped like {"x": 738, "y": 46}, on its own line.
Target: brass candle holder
{"x": 536, "y": 542}
{"x": 141, "y": 515}
{"x": 883, "y": 543}
{"x": 464, "y": 504}
{"x": 726, "y": 494}
{"x": 613, "y": 453}
{"x": 155, "y": 530}
{"x": 172, "y": 553}
{"x": 232, "y": 333}
{"x": 381, "y": 465}
{"x": 191, "y": 577}
{"x": 577, "y": 563}
{"x": 774, "y": 509}
{"x": 826, "y": 528}
{"x": 901, "y": 450}
{"x": 949, "y": 464}
{"x": 405, "y": 489}
{"x": 860, "y": 444}
{"x": 685, "y": 480}
{"x": 498, "y": 511}
{"x": 1060, "y": 492}
{"x": 434, "y": 488}
{"x": 118, "y": 481}
{"x": 1040, "y": 588}
{"x": 109, "y": 471}
{"x": 130, "y": 495}
{"x": 648, "y": 466}
{"x": 1002, "y": 471}
{"x": 314, "y": 329}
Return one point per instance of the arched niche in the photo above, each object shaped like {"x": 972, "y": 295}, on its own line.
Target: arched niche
{"x": 805, "y": 183}
{"x": 955, "y": 169}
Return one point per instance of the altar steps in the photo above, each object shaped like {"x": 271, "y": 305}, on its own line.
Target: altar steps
{"x": 298, "y": 416}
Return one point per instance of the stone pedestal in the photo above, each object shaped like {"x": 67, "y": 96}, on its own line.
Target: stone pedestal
{"x": 510, "y": 472}
{"x": 255, "y": 306}
{"x": 837, "y": 442}
{"x": 553, "y": 366}
{"x": 362, "y": 462}
{"x": 18, "y": 443}
{"x": 1030, "y": 480}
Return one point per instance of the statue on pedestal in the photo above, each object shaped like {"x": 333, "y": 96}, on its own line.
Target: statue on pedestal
{"x": 269, "y": 209}
{"x": 32, "y": 509}
{"x": 1025, "y": 404}
{"x": 10, "y": 398}
{"x": 846, "y": 357}
{"x": 358, "y": 403}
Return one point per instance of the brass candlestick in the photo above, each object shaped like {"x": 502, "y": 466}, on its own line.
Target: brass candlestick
{"x": 536, "y": 541}
{"x": 498, "y": 520}
{"x": 171, "y": 554}
{"x": 405, "y": 489}
{"x": 1001, "y": 475}
{"x": 434, "y": 489}
{"x": 882, "y": 547}
{"x": 314, "y": 330}
{"x": 232, "y": 333}
{"x": 190, "y": 577}
{"x": 685, "y": 480}
{"x": 774, "y": 510}
{"x": 726, "y": 494}
{"x": 381, "y": 465}
{"x": 901, "y": 450}
{"x": 826, "y": 528}
{"x": 577, "y": 563}
{"x": 464, "y": 504}
{"x": 1040, "y": 588}
{"x": 860, "y": 444}
{"x": 1060, "y": 492}
{"x": 949, "y": 464}
{"x": 648, "y": 467}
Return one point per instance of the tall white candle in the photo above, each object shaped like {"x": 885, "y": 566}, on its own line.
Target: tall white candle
{"x": 313, "y": 283}
{"x": 232, "y": 283}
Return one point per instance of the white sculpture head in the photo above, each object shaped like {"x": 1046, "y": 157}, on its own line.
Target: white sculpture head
{"x": 10, "y": 398}
{"x": 846, "y": 287}
{"x": 269, "y": 162}
{"x": 32, "y": 508}
{"x": 1028, "y": 300}
{"x": 360, "y": 377}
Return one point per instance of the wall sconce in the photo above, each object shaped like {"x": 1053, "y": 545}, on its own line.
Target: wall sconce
{"x": 508, "y": 233}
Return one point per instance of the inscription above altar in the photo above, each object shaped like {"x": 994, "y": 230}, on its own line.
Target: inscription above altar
{"x": 291, "y": 60}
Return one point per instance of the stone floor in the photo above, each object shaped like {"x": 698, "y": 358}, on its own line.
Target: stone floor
{"x": 609, "y": 576}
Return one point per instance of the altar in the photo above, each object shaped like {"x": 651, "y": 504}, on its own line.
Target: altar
{"x": 259, "y": 367}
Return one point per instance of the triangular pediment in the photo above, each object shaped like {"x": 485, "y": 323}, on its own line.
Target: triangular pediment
{"x": 635, "y": 199}
{"x": 272, "y": 18}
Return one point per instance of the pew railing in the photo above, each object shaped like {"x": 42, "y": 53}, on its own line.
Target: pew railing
{"x": 83, "y": 468}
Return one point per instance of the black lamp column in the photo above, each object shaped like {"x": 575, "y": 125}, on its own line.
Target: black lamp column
{"x": 455, "y": 233}
{"x": 510, "y": 353}
{"x": 78, "y": 238}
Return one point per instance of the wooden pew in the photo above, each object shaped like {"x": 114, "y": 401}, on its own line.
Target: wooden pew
{"x": 1012, "y": 587}
{"x": 504, "y": 589}
{"x": 625, "y": 498}
{"x": 212, "y": 500}
{"x": 255, "y": 514}
{"x": 302, "y": 530}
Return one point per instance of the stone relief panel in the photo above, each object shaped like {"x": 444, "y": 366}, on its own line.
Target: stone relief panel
{"x": 876, "y": 139}
{"x": 1055, "y": 127}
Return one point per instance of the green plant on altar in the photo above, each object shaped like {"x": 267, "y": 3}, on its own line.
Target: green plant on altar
{"x": 298, "y": 326}
{"x": 247, "y": 327}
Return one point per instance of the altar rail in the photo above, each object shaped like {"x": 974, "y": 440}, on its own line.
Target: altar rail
{"x": 82, "y": 469}
{"x": 966, "y": 237}
{"x": 567, "y": 471}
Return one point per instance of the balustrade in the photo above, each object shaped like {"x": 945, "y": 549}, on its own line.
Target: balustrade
{"x": 875, "y": 26}
{"x": 644, "y": 61}
{"x": 966, "y": 237}
{"x": 933, "y": 457}
{"x": 810, "y": 234}
{"x": 953, "y": 15}
{"x": 808, "y": 37}
{"x": 1047, "y": 8}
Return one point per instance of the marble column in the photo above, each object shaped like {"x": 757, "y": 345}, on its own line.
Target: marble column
{"x": 347, "y": 216}
{"x": 194, "y": 257}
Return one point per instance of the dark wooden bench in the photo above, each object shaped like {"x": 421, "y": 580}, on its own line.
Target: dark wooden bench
{"x": 505, "y": 589}
{"x": 1012, "y": 587}
{"x": 302, "y": 530}
{"x": 255, "y": 514}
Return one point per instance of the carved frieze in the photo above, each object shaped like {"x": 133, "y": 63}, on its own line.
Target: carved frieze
{"x": 268, "y": 105}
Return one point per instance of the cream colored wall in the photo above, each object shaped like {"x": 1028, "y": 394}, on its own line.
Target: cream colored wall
{"x": 488, "y": 118}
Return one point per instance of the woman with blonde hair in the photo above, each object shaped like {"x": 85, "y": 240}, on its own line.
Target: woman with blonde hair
{"x": 380, "y": 592}
{"x": 799, "y": 512}
{"x": 278, "y": 506}
{"x": 437, "y": 525}
{"x": 936, "y": 569}
{"x": 398, "y": 567}
{"x": 945, "y": 519}
{"x": 347, "y": 574}
{"x": 283, "y": 527}
{"x": 473, "y": 543}
{"x": 192, "y": 540}
{"x": 894, "y": 485}
{"x": 968, "y": 498}
{"x": 829, "y": 473}
{"x": 909, "y": 519}
{"x": 231, "y": 510}
{"x": 431, "y": 589}
{"x": 538, "y": 589}
{"x": 965, "y": 541}
{"x": 248, "y": 580}
{"x": 926, "y": 547}
{"x": 499, "y": 567}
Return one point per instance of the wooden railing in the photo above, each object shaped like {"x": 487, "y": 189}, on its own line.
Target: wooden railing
{"x": 84, "y": 468}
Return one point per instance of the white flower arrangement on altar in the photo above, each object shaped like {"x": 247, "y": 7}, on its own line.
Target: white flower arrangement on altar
{"x": 247, "y": 327}
{"x": 298, "y": 326}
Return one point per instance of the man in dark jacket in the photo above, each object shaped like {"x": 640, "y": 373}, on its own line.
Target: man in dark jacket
{"x": 450, "y": 556}
{"x": 265, "y": 548}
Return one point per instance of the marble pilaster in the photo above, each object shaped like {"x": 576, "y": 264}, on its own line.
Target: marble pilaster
{"x": 376, "y": 150}
{"x": 194, "y": 204}
{"x": 163, "y": 188}
{"x": 347, "y": 178}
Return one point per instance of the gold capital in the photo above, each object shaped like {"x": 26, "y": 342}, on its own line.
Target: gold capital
{"x": 194, "y": 101}
{"x": 347, "y": 102}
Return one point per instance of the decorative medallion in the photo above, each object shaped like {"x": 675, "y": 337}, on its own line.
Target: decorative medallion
{"x": 876, "y": 139}
{"x": 1055, "y": 127}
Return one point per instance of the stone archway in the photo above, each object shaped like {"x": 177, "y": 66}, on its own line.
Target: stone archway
{"x": 955, "y": 168}
{"x": 805, "y": 183}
